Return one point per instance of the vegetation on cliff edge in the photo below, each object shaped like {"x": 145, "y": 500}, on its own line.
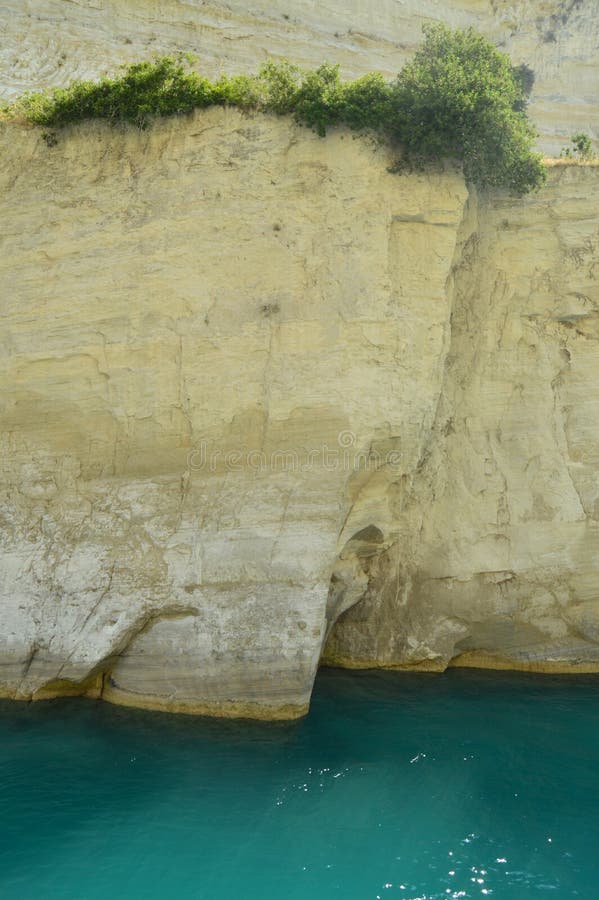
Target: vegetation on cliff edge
{"x": 459, "y": 98}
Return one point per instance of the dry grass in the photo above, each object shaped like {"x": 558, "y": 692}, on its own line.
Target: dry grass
{"x": 562, "y": 161}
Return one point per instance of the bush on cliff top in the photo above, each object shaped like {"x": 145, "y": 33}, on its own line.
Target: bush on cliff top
{"x": 459, "y": 98}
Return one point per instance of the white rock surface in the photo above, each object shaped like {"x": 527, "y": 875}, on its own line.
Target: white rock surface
{"x": 202, "y": 326}
{"x": 252, "y": 383}
{"x": 494, "y": 559}
{"x": 52, "y": 42}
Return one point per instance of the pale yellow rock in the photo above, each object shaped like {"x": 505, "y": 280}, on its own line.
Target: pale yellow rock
{"x": 497, "y": 535}
{"x": 217, "y": 335}
{"x": 252, "y": 384}
{"x": 52, "y": 42}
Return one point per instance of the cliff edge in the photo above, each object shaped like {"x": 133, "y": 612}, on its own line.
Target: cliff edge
{"x": 54, "y": 42}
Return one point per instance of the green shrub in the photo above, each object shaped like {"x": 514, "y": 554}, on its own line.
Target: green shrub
{"x": 160, "y": 88}
{"x": 582, "y": 145}
{"x": 241, "y": 91}
{"x": 582, "y": 148}
{"x": 318, "y": 101}
{"x": 366, "y": 102}
{"x": 526, "y": 77}
{"x": 459, "y": 98}
{"x": 279, "y": 83}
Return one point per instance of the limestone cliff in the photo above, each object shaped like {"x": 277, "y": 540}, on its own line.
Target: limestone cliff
{"x": 253, "y": 384}
{"x": 205, "y": 323}
{"x": 496, "y": 543}
{"x": 48, "y": 42}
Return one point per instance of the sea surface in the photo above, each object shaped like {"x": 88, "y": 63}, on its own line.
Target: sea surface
{"x": 465, "y": 784}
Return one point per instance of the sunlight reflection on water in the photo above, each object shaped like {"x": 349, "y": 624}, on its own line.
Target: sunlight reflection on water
{"x": 413, "y": 787}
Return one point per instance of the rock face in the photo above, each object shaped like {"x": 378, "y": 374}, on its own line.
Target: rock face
{"x": 52, "y": 42}
{"x": 217, "y": 333}
{"x": 258, "y": 394}
{"x": 494, "y": 560}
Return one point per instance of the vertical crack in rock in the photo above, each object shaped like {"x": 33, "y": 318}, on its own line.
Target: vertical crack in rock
{"x": 21, "y": 692}
{"x": 368, "y": 612}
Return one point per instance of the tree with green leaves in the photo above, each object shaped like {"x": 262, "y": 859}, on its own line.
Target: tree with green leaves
{"x": 582, "y": 147}
{"x": 461, "y": 97}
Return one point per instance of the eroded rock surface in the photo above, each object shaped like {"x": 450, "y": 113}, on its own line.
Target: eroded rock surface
{"x": 496, "y": 548}
{"x": 223, "y": 344}
{"x": 259, "y": 395}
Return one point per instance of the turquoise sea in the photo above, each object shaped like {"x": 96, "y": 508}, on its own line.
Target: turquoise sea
{"x": 460, "y": 785}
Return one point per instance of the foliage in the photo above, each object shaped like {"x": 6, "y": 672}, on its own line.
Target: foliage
{"x": 367, "y": 103}
{"x": 460, "y": 98}
{"x": 582, "y": 149}
{"x": 318, "y": 99}
{"x": 526, "y": 77}
{"x": 160, "y": 88}
{"x": 279, "y": 83}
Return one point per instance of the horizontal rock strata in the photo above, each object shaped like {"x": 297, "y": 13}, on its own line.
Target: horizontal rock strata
{"x": 215, "y": 334}
{"x": 258, "y": 395}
